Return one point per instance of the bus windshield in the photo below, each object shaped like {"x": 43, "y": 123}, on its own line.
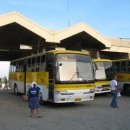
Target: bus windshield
{"x": 73, "y": 68}
{"x": 103, "y": 71}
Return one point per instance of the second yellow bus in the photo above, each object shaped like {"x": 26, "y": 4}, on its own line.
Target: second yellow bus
{"x": 103, "y": 72}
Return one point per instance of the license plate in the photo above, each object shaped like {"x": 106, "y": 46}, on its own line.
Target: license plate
{"x": 89, "y": 97}
{"x": 78, "y": 99}
{"x": 106, "y": 88}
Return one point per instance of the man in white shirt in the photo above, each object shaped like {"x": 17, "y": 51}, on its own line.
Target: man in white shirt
{"x": 114, "y": 91}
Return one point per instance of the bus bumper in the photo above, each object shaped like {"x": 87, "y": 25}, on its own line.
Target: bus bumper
{"x": 73, "y": 96}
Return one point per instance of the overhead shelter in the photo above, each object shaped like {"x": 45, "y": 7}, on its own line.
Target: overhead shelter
{"x": 17, "y": 30}
{"x": 120, "y": 48}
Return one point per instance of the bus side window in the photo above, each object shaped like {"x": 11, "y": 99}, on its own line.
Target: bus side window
{"x": 33, "y": 64}
{"x": 13, "y": 67}
{"x": 32, "y": 70}
{"x": 28, "y": 65}
{"x": 50, "y": 61}
{"x": 42, "y": 65}
{"x": 17, "y": 67}
{"x": 117, "y": 66}
{"x": 37, "y": 69}
{"x": 50, "y": 65}
{"x": 123, "y": 66}
{"x": 21, "y": 66}
{"x": 38, "y": 63}
{"x": 128, "y": 65}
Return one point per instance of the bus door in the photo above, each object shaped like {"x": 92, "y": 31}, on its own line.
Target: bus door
{"x": 50, "y": 70}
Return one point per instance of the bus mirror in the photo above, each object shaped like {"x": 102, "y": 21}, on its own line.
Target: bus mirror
{"x": 60, "y": 64}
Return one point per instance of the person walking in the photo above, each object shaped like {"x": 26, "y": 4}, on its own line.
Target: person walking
{"x": 5, "y": 81}
{"x": 114, "y": 91}
{"x": 33, "y": 98}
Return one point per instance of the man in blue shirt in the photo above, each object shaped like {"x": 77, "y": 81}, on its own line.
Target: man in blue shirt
{"x": 114, "y": 91}
{"x": 33, "y": 97}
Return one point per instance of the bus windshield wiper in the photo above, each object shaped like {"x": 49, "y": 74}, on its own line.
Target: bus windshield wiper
{"x": 80, "y": 78}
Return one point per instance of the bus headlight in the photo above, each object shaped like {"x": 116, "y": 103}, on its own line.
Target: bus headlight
{"x": 92, "y": 90}
{"x": 99, "y": 87}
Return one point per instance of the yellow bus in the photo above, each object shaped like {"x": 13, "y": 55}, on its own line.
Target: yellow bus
{"x": 122, "y": 67}
{"x": 103, "y": 72}
{"x": 62, "y": 75}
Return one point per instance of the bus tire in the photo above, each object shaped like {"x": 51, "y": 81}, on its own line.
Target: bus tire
{"x": 126, "y": 89}
{"x": 15, "y": 89}
{"x": 40, "y": 99}
{"x": 41, "y": 102}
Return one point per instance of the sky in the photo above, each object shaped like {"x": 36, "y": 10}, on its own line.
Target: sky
{"x": 109, "y": 17}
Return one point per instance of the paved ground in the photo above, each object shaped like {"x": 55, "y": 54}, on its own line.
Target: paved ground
{"x": 94, "y": 115}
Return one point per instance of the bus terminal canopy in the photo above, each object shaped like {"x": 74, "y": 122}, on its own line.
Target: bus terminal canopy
{"x": 20, "y": 37}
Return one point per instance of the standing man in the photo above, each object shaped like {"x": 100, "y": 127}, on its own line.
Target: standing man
{"x": 114, "y": 91}
{"x": 33, "y": 97}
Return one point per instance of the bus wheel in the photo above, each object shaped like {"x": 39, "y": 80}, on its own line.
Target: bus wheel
{"x": 15, "y": 89}
{"x": 127, "y": 91}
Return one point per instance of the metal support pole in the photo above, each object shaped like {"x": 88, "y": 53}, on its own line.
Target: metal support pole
{"x": 25, "y": 79}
